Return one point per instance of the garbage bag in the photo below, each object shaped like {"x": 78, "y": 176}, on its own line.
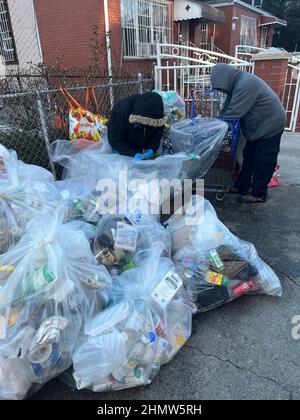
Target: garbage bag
{"x": 123, "y": 184}
{"x": 121, "y": 179}
{"x": 147, "y": 323}
{"x": 76, "y": 161}
{"x": 25, "y": 191}
{"x": 50, "y": 285}
{"x": 26, "y": 171}
{"x": 196, "y": 143}
{"x": 202, "y": 140}
{"x": 119, "y": 239}
{"x": 216, "y": 266}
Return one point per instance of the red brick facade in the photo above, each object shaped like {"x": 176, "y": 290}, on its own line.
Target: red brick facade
{"x": 66, "y": 30}
{"x": 227, "y": 34}
{"x": 274, "y": 73}
{"x": 66, "y": 33}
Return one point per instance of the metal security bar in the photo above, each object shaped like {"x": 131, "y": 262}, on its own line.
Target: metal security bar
{"x": 184, "y": 68}
{"x": 291, "y": 96}
{"x": 145, "y": 22}
{"x": 8, "y": 49}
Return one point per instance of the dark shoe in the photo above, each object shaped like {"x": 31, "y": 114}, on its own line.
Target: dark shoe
{"x": 249, "y": 199}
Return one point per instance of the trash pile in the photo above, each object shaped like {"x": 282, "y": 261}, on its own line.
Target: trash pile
{"x": 25, "y": 191}
{"x": 50, "y": 284}
{"x": 89, "y": 282}
{"x": 216, "y": 266}
{"x": 147, "y": 323}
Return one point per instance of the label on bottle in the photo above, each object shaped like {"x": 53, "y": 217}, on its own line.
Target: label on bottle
{"x": 126, "y": 237}
{"x": 216, "y": 279}
{"x": 123, "y": 372}
{"x": 215, "y": 260}
{"x": 167, "y": 288}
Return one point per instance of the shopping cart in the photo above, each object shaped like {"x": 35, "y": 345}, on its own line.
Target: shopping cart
{"x": 219, "y": 179}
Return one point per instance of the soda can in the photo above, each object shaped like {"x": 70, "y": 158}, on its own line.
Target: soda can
{"x": 244, "y": 288}
{"x": 45, "y": 367}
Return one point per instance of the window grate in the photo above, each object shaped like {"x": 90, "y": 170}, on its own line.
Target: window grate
{"x": 7, "y": 44}
{"x": 144, "y": 23}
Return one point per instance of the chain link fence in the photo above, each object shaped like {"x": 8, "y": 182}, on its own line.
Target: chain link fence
{"x": 31, "y": 121}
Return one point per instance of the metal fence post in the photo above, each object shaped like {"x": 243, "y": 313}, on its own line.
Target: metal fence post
{"x": 45, "y": 132}
{"x": 140, "y": 80}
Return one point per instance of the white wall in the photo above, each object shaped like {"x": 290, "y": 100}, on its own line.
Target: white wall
{"x": 25, "y": 32}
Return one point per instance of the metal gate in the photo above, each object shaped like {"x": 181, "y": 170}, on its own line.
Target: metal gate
{"x": 186, "y": 69}
{"x": 291, "y": 96}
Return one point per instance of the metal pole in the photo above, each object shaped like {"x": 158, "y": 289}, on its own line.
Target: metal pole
{"x": 296, "y": 104}
{"x": 158, "y": 73}
{"x": 108, "y": 52}
{"x": 140, "y": 80}
{"x": 45, "y": 132}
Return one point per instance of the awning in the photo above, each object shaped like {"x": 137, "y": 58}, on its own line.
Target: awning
{"x": 186, "y": 10}
{"x": 271, "y": 20}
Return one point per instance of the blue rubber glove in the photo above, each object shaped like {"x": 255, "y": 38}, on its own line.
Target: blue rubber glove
{"x": 139, "y": 156}
{"x": 148, "y": 154}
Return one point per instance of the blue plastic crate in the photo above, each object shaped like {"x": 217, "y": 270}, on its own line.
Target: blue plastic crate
{"x": 231, "y": 140}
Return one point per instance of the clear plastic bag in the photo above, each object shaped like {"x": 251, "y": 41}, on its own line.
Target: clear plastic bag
{"x": 76, "y": 161}
{"x": 147, "y": 323}
{"x": 216, "y": 266}
{"x": 25, "y": 191}
{"x": 196, "y": 144}
{"x": 26, "y": 171}
{"x": 119, "y": 238}
{"x": 201, "y": 139}
{"x": 50, "y": 285}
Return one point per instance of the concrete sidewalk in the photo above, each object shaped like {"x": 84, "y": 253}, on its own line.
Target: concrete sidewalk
{"x": 245, "y": 349}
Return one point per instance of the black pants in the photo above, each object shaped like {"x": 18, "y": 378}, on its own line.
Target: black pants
{"x": 260, "y": 160}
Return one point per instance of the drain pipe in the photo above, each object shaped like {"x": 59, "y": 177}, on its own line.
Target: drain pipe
{"x": 108, "y": 52}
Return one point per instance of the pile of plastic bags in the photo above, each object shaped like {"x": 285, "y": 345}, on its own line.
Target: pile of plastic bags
{"x": 50, "y": 285}
{"x": 97, "y": 282}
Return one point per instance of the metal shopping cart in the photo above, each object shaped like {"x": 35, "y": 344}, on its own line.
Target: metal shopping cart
{"x": 219, "y": 178}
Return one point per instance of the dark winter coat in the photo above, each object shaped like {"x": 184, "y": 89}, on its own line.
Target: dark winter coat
{"x": 251, "y": 100}
{"x": 136, "y": 124}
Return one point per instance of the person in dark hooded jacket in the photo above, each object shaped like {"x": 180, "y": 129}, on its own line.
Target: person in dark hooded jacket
{"x": 263, "y": 119}
{"x": 136, "y": 125}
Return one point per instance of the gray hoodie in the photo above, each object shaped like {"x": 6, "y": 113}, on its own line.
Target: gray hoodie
{"x": 251, "y": 100}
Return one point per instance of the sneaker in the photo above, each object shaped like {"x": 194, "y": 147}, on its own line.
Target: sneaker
{"x": 249, "y": 199}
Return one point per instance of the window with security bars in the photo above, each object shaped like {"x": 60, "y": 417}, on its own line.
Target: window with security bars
{"x": 7, "y": 44}
{"x": 144, "y": 23}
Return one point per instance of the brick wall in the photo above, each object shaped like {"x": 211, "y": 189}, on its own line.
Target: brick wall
{"x": 227, "y": 34}
{"x": 274, "y": 73}
{"x": 66, "y": 30}
{"x": 66, "y": 33}
{"x": 223, "y": 31}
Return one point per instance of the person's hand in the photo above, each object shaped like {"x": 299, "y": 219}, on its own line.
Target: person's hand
{"x": 149, "y": 154}
{"x": 139, "y": 156}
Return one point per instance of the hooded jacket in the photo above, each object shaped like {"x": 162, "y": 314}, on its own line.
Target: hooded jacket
{"x": 136, "y": 124}
{"x": 251, "y": 100}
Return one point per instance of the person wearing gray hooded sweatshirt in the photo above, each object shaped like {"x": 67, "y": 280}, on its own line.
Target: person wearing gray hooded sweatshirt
{"x": 263, "y": 119}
